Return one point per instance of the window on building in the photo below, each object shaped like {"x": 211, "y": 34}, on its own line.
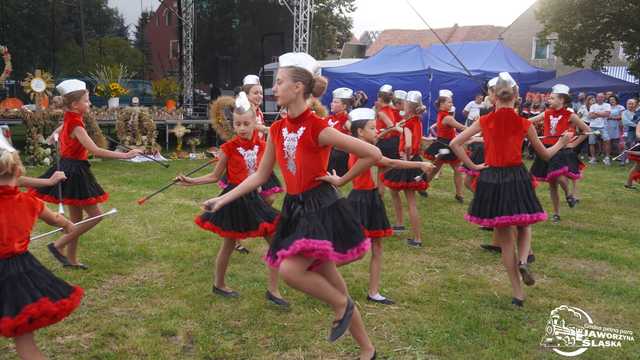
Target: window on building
{"x": 542, "y": 50}
{"x": 174, "y": 49}
{"x": 167, "y": 17}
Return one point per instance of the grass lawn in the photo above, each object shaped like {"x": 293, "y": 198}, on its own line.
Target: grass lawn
{"x": 148, "y": 292}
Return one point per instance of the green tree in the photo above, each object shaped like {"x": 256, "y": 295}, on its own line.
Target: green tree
{"x": 109, "y": 50}
{"x": 592, "y": 27}
{"x": 331, "y": 26}
{"x": 140, "y": 42}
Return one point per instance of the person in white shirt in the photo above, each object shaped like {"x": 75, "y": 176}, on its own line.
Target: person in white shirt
{"x": 599, "y": 114}
{"x": 629, "y": 127}
{"x": 471, "y": 111}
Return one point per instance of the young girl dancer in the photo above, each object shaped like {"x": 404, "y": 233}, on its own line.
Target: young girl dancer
{"x": 399, "y": 99}
{"x": 446, "y": 127}
{"x": 248, "y": 216}
{"x": 565, "y": 164}
{"x": 504, "y": 197}
{"x": 252, "y": 87}
{"x": 80, "y": 191}
{"x": 31, "y": 297}
{"x": 366, "y": 201}
{"x": 318, "y": 229}
{"x": 339, "y": 120}
{"x": 409, "y": 148}
{"x": 388, "y": 143}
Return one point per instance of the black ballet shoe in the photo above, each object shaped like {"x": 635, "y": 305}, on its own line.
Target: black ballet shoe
{"x": 276, "y": 300}
{"x": 241, "y": 249}
{"x": 423, "y": 193}
{"x": 78, "y": 266}
{"x": 224, "y": 293}
{"x": 384, "y": 301}
{"x": 527, "y": 276}
{"x": 460, "y": 199}
{"x": 375, "y": 355}
{"x": 517, "y": 302}
{"x": 492, "y": 248}
{"x": 531, "y": 259}
{"x": 413, "y": 243}
{"x": 555, "y": 218}
{"x": 57, "y": 255}
{"x": 341, "y": 326}
{"x": 571, "y": 201}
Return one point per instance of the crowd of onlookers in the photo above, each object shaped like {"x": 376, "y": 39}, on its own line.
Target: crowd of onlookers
{"x": 613, "y": 123}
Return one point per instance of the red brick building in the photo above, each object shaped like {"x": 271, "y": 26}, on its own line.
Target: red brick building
{"x": 161, "y": 33}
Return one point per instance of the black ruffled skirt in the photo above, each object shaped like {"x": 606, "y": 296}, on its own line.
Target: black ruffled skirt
{"x": 338, "y": 161}
{"x": 246, "y": 217}
{"x": 405, "y": 179}
{"x": 389, "y": 147}
{"x": 434, "y": 149}
{"x": 505, "y": 197}
{"x": 477, "y": 157}
{"x": 564, "y": 163}
{"x": 79, "y": 189}
{"x": 318, "y": 224}
{"x": 31, "y": 297}
{"x": 369, "y": 209}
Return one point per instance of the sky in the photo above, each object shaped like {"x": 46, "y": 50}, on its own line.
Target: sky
{"x": 395, "y": 14}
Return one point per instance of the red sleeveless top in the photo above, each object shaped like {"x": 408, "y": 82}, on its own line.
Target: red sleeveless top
{"x": 442, "y": 130}
{"x": 16, "y": 225}
{"x": 364, "y": 181}
{"x": 556, "y": 122}
{"x": 243, "y": 157}
{"x": 338, "y": 121}
{"x": 300, "y": 157}
{"x": 414, "y": 124}
{"x": 380, "y": 125}
{"x": 504, "y": 132}
{"x": 71, "y": 148}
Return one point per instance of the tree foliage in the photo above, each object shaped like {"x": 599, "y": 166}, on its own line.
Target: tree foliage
{"x": 592, "y": 27}
{"x": 331, "y": 27}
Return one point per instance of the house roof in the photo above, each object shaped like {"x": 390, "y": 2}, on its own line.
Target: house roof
{"x": 425, "y": 38}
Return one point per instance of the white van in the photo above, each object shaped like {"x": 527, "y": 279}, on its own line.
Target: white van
{"x": 268, "y": 76}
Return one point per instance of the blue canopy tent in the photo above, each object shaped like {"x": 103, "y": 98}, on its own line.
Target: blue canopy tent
{"x": 410, "y": 67}
{"x": 588, "y": 80}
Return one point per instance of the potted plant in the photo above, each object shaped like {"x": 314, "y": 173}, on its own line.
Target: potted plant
{"x": 166, "y": 90}
{"x": 110, "y": 83}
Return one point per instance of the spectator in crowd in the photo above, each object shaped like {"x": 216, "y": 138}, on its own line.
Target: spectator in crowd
{"x": 579, "y": 102}
{"x": 614, "y": 125}
{"x": 537, "y": 106}
{"x": 608, "y": 95}
{"x": 471, "y": 111}
{"x": 583, "y": 114}
{"x": 599, "y": 114}
{"x": 629, "y": 122}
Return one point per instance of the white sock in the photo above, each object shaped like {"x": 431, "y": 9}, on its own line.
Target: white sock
{"x": 377, "y": 297}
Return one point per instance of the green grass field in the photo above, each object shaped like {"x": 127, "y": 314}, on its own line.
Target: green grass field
{"x": 148, "y": 292}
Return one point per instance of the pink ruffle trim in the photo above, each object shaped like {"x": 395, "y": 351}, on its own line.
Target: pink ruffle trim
{"x": 321, "y": 250}
{"x": 273, "y": 190}
{"x": 466, "y": 171}
{"x": 511, "y": 220}
{"x": 563, "y": 171}
{"x": 222, "y": 185}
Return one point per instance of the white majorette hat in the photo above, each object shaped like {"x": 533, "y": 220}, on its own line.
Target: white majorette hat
{"x": 5, "y": 146}
{"x": 362, "y": 114}
{"x": 301, "y": 60}
{"x": 492, "y": 83}
{"x": 386, "y": 88}
{"x": 400, "y": 95}
{"x": 251, "y": 80}
{"x": 343, "y": 93}
{"x": 446, "y": 93}
{"x": 69, "y": 86}
{"x": 560, "y": 89}
{"x": 505, "y": 76}
{"x": 414, "y": 97}
{"x": 242, "y": 103}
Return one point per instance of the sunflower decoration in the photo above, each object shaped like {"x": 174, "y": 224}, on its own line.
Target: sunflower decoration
{"x": 6, "y": 56}
{"x": 38, "y": 86}
{"x": 221, "y": 112}
{"x": 111, "y": 90}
